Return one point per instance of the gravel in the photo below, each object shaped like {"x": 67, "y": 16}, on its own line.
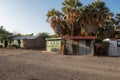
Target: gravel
{"x": 21, "y": 64}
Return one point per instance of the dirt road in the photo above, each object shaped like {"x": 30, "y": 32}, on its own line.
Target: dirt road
{"x": 37, "y": 65}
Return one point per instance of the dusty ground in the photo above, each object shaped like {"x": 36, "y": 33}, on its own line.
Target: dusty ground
{"x": 36, "y": 65}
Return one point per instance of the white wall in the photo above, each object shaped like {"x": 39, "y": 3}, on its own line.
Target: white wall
{"x": 113, "y": 49}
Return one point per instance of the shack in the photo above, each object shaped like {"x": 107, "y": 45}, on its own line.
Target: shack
{"x": 53, "y": 44}
{"x": 79, "y": 45}
{"x": 114, "y": 47}
{"x": 4, "y": 43}
{"x": 18, "y": 41}
{"x": 30, "y": 42}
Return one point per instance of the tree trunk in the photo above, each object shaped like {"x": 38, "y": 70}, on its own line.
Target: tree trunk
{"x": 72, "y": 27}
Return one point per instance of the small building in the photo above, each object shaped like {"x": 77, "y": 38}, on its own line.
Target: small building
{"x": 29, "y": 42}
{"x": 79, "y": 45}
{"x": 114, "y": 47}
{"x": 71, "y": 45}
{"x": 18, "y": 41}
{"x": 53, "y": 44}
{"x": 4, "y": 43}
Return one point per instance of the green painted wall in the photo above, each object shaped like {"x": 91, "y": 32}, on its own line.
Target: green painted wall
{"x": 53, "y": 45}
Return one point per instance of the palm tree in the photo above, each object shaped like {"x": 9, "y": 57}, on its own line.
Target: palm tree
{"x": 57, "y": 22}
{"x": 117, "y": 19}
{"x": 93, "y": 16}
{"x": 106, "y": 30}
{"x": 117, "y": 24}
{"x": 72, "y": 13}
{"x": 54, "y": 17}
{"x": 80, "y": 20}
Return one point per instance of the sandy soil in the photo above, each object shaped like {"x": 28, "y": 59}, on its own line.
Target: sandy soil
{"x": 22, "y": 64}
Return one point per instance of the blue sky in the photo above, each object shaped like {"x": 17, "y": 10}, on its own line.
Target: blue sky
{"x": 29, "y": 16}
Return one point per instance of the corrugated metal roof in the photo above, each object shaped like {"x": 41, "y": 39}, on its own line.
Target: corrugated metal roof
{"x": 31, "y": 37}
{"x": 19, "y": 38}
{"x": 25, "y": 37}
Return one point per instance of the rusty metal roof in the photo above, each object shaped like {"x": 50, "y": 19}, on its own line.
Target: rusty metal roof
{"x": 80, "y": 37}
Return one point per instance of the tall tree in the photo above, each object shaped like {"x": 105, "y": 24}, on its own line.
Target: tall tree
{"x": 118, "y": 18}
{"x": 94, "y": 16}
{"x": 54, "y": 17}
{"x": 79, "y": 20}
{"x": 71, "y": 8}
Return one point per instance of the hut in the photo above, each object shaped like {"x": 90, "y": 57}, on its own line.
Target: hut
{"x": 53, "y": 44}
{"x": 30, "y": 42}
{"x": 114, "y": 47}
{"x": 71, "y": 45}
{"x": 34, "y": 42}
{"x": 4, "y": 43}
{"x": 18, "y": 41}
{"x": 79, "y": 45}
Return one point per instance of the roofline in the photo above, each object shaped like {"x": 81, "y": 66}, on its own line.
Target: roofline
{"x": 80, "y": 37}
{"x": 53, "y": 38}
{"x": 73, "y": 37}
